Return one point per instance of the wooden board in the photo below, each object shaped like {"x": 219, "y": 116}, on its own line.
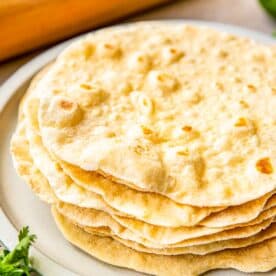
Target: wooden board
{"x": 29, "y": 24}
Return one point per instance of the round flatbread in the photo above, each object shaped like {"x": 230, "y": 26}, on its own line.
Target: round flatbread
{"x": 256, "y": 258}
{"x": 266, "y": 234}
{"x": 167, "y": 238}
{"x": 63, "y": 177}
{"x": 175, "y": 110}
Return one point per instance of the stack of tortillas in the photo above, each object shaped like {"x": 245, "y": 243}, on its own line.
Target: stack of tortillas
{"x": 156, "y": 146}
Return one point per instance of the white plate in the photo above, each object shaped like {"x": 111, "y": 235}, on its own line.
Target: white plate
{"x": 53, "y": 255}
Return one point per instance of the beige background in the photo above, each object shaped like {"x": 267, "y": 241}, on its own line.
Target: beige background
{"x": 246, "y": 13}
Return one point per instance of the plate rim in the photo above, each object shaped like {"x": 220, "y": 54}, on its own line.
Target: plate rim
{"x": 8, "y": 232}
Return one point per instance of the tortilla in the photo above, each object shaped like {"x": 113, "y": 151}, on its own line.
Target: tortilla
{"x": 88, "y": 218}
{"x": 197, "y": 123}
{"x": 24, "y": 166}
{"x": 204, "y": 249}
{"x": 151, "y": 208}
{"x": 257, "y": 258}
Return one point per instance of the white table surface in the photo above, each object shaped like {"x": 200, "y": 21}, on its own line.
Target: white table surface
{"x": 246, "y": 13}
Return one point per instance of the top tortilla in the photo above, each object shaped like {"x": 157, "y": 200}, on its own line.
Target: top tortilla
{"x": 175, "y": 110}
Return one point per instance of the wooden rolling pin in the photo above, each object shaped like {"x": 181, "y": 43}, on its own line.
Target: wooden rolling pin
{"x": 28, "y": 24}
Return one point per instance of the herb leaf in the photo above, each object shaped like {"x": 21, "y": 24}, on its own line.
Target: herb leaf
{"x": 270, "y": 6}
{"x": 17, "y": 262}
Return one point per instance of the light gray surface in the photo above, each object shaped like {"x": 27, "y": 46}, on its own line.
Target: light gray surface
{"x": 19, "y": 205}
{"x": 245, "y": 13}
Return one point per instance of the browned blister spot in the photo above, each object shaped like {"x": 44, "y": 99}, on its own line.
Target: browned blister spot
{"x": 228, "y": 192}
{"x": 187, "y": 128}
{"x": 111, "y": 134}
{"x": 88, "y": 51}
{"x": 174, "y": 54}
{"x": 223, "y": 54}
{"x": 108, "y": 46}
{"x": 264, "y": 166}
{"x": 86, "y": 86}
{"x": 110, "y": 50}
{"x": 65, "y": 104}
{"x": 244, "y": 104}
{"x": 220, "y": 86}
{"x": 241, "y": 122}
{"x": 161, "y": 78}
{"x": 252, "y": 88}
{"x": 140, "y": 149}
{"x": 238, "y": 80}
{"x": 146, "y": 130}
{"x": 173, "y": 50}
{"x": 152, "y": 136}
{"x": 183, "y": 152}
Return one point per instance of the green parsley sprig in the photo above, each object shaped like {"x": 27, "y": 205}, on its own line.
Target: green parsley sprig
{"x": 269, "y": 6}
{"x": 17, "y": 261}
